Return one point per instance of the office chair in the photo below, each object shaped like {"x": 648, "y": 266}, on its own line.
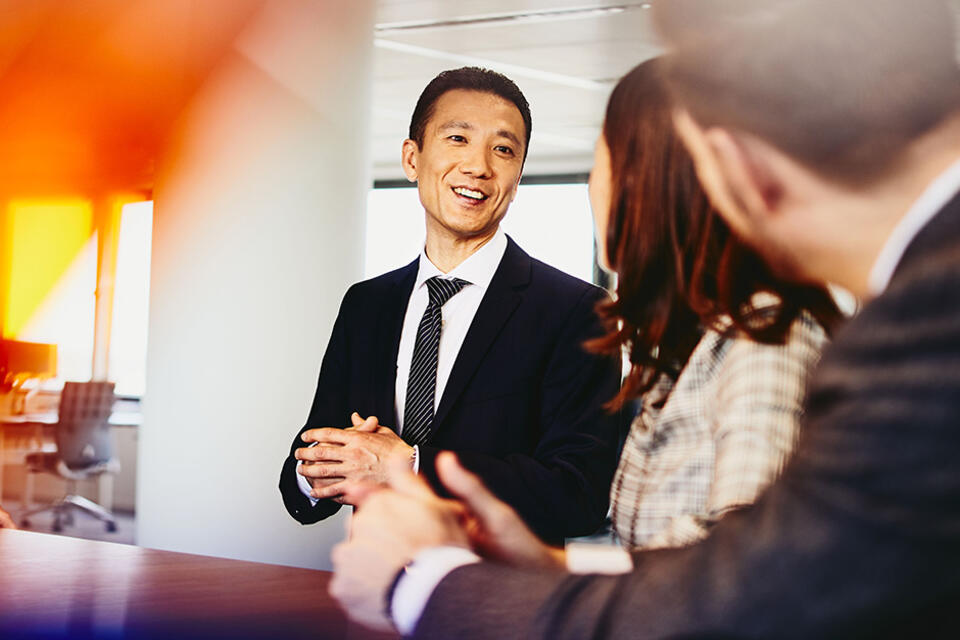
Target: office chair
{"x": 84, "y": 450}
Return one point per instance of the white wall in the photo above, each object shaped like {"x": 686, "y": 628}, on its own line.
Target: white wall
{"x": 259, "y": 219}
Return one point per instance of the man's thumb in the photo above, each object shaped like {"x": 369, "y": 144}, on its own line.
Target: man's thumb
{"x": 370, "y": 424}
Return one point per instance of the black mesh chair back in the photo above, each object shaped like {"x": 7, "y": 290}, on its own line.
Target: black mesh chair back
{"x": 83, "y": 429}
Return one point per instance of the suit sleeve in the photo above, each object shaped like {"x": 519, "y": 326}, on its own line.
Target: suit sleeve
{"x": 329, "y": 409}
{"x": 857, "y": 537}
{"x": 562, "y": 489}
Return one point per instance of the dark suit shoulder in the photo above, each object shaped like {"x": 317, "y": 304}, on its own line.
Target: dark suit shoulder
{"x": 561, "y": 286}
{"x": 384, "y": 280}
{"x": 374, "y": 288}
{"x": 892, "y": 370}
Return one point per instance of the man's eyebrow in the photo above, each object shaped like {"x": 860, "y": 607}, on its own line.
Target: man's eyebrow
{"x": 509, "y": 135}
{"x": 455, "y": 124}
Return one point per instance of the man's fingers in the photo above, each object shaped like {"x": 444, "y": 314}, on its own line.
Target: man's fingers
{"x": 323, "y": 482}
{"x": 359, "y": 424}
{"x": 468, "y": 488}
{"x": 323, "y": 470}
{"x": 368, "y": 425}
{"x": 356, "y": 493}
{"x": 331, "y": 490}
{"x": 327, "y": 435}
{"x": 329, "y": 453}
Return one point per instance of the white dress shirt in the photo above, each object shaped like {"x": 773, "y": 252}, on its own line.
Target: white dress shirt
{"x": 457, "y": 314}
{"x": 432, "y": 565}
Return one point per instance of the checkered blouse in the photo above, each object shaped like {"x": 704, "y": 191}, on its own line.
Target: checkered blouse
{"x": 714, "y": 439}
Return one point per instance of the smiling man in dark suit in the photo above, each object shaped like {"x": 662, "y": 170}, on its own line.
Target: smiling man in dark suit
{"x": 474, "y": 347}
{"x": 827, "y": 133}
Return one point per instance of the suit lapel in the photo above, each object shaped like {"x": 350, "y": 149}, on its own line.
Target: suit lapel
{"x": 498, "y": 304}
{"x": 391, "y": 309}
{"x": 941, "y": 233}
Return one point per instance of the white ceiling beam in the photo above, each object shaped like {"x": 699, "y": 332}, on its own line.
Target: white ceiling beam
{"x": 512, "y": 17}
{"x": 511, "y": 70}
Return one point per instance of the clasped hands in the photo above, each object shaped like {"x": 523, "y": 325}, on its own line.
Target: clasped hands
{"x": 393, "y": 524}
{"x": 346, "y": 462}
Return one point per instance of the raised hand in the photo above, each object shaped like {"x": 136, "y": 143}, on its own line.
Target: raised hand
{"x": 495, "y": 529}
{"x": 389, "y": 528}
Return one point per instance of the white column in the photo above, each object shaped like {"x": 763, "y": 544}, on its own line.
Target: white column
{"x": 258, "y": 232}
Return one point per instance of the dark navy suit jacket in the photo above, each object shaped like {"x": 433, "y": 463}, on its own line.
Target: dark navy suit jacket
{"x": 522, "y": 407}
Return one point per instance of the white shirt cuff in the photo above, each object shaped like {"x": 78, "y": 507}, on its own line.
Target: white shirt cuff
{"x": 415, "y": 587}
{"x": 597, "y": 558}
{"x": 416, "y": 459}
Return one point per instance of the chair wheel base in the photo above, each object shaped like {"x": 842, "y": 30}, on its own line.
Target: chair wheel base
{"x": 111, "y": 527}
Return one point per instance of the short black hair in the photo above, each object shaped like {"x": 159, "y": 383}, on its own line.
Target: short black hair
{"x": 470, "y": 79}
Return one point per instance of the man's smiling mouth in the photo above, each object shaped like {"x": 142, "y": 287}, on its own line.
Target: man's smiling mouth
{"x": 470, "y": 193}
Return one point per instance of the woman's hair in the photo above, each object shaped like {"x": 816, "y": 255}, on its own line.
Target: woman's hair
{"x": 679, "y": 268}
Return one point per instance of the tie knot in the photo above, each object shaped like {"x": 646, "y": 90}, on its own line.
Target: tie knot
{"x": 441, "y": 289}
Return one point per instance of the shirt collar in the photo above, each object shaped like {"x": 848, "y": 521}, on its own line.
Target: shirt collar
{"x": 930, "y": 202}
{"x": 478, "y": 269}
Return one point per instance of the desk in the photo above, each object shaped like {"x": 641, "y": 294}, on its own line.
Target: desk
{"x": 59, "y": 587}
{"x": 24, "y": 433}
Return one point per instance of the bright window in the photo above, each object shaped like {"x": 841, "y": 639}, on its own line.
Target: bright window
{"x": 131, "y": 295}
{"x": 51, "y": 288}
{"x": 53, "y": 280}
{"x": 550, "y": 222}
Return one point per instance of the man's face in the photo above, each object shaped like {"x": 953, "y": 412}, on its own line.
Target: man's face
{"x": 469, "y": 167}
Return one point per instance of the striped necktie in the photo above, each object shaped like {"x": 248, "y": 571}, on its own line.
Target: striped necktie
{"x": 422, "y": 383}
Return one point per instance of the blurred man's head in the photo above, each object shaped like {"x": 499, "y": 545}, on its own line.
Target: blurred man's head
{"x": 791, "y": 104}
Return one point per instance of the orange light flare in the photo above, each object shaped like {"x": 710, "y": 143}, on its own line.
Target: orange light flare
{"x": 90, "y": 90}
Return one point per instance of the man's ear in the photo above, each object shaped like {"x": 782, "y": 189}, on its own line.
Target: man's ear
{"x": 745, "y": 164}
{"x": 708, "y": 166}
{"x": 409, "y": 155}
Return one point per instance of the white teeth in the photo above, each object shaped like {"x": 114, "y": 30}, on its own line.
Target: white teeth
{"x": 476, "y": 195}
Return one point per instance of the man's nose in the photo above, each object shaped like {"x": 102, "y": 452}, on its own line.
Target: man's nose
{"x": 476, "y": 163}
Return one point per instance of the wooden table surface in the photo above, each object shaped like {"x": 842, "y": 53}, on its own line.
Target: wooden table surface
{"x": 59, "y": 587}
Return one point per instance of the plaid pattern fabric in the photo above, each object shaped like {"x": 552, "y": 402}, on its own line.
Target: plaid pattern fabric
{"x": 712, "y": 441}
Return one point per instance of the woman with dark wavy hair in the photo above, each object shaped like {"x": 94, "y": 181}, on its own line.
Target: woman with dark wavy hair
{"x": 720, "y": 347}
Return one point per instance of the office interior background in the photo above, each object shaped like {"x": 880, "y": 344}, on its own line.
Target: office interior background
{"x": 188, "y": 188}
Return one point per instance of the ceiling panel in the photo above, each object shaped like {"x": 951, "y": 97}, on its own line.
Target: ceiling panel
{"x": 564, "y": 55}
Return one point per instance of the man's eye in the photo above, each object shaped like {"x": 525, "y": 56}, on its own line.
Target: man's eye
{"x": 504, "y": 149}
{"x": 456, "y": 138}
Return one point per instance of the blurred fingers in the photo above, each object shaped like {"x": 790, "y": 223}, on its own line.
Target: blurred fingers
{"x": 401, "y": 478}
{"x": 469, "y": 488}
